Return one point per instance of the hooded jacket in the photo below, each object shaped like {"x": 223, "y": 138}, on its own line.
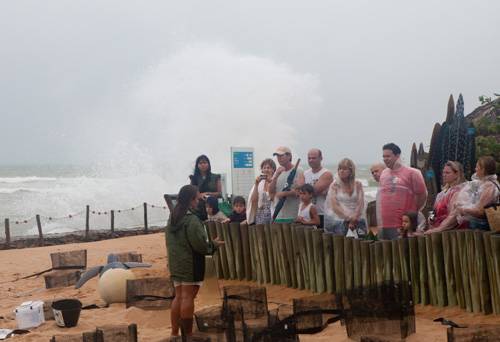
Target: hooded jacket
{"x": 187, "y": 245}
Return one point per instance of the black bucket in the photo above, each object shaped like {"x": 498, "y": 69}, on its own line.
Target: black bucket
{"x": 67, "y": 312}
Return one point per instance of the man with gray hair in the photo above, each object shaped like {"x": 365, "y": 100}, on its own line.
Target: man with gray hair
{"x": 371, "y": 209}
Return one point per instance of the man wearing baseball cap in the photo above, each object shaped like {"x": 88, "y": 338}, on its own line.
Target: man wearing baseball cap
{"x": 288, "y": 212}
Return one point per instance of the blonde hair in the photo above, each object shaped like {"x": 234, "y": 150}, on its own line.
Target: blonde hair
{"x": 456, "y": 167}
{"x": 347, "y": 163}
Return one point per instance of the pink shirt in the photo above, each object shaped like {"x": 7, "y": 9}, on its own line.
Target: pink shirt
{"x": 399, "y": 189}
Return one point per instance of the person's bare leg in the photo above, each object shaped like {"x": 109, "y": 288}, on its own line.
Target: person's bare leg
{"x": 175, "y": 311}
{"x": 189, "y": 292}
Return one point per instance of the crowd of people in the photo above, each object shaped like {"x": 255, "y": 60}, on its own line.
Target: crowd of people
{"x": 317, "y": 198}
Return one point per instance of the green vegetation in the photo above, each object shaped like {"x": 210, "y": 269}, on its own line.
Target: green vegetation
{"x": 488, "y": 134}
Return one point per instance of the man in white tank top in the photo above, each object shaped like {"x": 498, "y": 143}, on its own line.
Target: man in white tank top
{"x": 320, "y": 178}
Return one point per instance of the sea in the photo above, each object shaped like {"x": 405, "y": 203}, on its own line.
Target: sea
{"x": 60, "y": 194}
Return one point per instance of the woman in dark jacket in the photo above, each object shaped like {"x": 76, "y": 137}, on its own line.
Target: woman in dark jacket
{"x": 187, "y": 245}
{"x": 208, "y": 184}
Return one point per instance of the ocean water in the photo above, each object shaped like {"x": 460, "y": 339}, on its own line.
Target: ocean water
{"x": 58, "y": 191}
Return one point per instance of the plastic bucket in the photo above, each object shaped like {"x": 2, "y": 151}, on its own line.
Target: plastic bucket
{"x": 67, "y": 312}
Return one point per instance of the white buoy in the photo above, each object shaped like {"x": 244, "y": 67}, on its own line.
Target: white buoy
{"x": 113, "y": 285}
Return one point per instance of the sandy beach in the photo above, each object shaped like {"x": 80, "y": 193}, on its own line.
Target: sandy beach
{"x": 154, "y": 325}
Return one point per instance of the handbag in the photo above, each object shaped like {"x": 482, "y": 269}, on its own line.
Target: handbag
{"x": 225, "y": 207}
{"x": 493, "y": 214}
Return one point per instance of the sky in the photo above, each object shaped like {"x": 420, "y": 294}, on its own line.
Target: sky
{"x": 83, "y": 80}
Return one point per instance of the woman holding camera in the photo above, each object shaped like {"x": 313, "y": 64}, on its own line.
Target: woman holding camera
{"x": 445, "y": 216}
{"x": 259, "y": 204}
{"x": 208, "y": 184}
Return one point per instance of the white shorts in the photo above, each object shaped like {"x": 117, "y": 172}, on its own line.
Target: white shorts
{"x": 181, "y": 283}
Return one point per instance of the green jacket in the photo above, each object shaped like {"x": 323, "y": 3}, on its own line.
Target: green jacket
{"x": 187, "y": 245}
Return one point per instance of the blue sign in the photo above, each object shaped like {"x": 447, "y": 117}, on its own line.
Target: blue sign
{"x": 430, "y": 174}
{"x": 470, "y": 131}
{"x": 243, "y": 160}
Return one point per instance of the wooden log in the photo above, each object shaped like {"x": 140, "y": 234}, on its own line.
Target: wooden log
{"x": 254, "y": 250}
{"x": 494, "y": 290}
{"x": 329, "y": 271}
{"x": 263, "y": 259}
{"x": 145, "y": 206}
{"x": 357, "y": 265}
{"x": 379, "y": 262}
{"x": 464, "y": 266}
{"x": 284, "y": 256}
{"x": 319, "y": 260}
{"x": 247, "y": 255}
{"x": 338, "y": 262}
{"x": 473, "y": 271}
{"x": 304, "y": 260}
{"x": 278, "y": 267}
{"x": 449, "y": 271}
{"x": 423, "y": 273}
{"x": 222, "y": 250}
{"x": 482, "y": 270}
{"x": 438, "y": 265}
{"x": 270, "y": 254}
{"x": 387, "y": 255}
{"x": 229, "y": 250}
{"x": 348, "y": 263}
{"x": 296, "y": 257}
{"x": 495, "y": 255}
{"x": 366, "y": 279}
{"x": 287, "y": 237}
{"x": 40, "y": 232}
{"x": 430, "y": 270}
{"x": 212, "y": 230}
{"x": 414, "y": 268}
{"x": 373, "y": 268}
{"x": 310, "y": 259}
{"x": 396, "y": 261}
{"x": 404, "y": 259}
{"x": 7, "y": 234}
{"x": 457, "y": 269}
{"x": 239, "y": 264}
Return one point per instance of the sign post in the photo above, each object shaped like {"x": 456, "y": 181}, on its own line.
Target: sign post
{"x": 242, "y": 170}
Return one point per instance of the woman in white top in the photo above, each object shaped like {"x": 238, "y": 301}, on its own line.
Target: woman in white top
{"x": 259, "y": 208}
{"x": 347, "y": 201}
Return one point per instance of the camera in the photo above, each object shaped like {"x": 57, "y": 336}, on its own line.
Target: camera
{"x": 262, "y": 176}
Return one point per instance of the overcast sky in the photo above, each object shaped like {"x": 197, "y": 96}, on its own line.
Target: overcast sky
{"x": 344, "y": 76}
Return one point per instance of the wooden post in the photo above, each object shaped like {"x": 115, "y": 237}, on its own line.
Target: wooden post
{"x": 366, "y": 263}
{"x": 7, "y": 234}
{"x": 495, "y": 256}
{"x": 338, "y": 262}
{"x": 423, "y": 274}
{"x": 112, "y": 224}
{"x": 379, "y": 262}
{"x": 357, "y": 265}
{"x": 328, "y": 253}
{"x": 451, "y": 286}
{"x": 438, "y": 266}
{"x": 404, "y": 259}
{"x": 87, "y": 223}
{"x": 473, "y": 271}
{"x": 222, "y": 251}
{"x": 301, "y": 239}
{"x": 229, "y": 250}
{"x": 40, "y": 233}
{"x": 254, "y": 255}
{"x": 348, "y": 263}
{"x": 217, "y": 259}
{"x": 297, "y": 258}
{"x": 310, "y": 258}
{"x": 430, "y": 269}
{"x": 414, "y": 269}
{"x": 396, "y": 261}
{"x": 262, "y": 253}
{"x": 387, "y": 255}
{"x": 457, "y": 270}
{"x": 495, "y": 300}
{"x": 245, "y": 241}
{"x": 482, "y": 270}
{"x": 319, "y": 259}
{"x": 270, "y": 255}
{"x": 145, "y": 217}
{"x": 464, "y": 266}
{"x": 287, "y": 237}
{"x": 237, "y": 249}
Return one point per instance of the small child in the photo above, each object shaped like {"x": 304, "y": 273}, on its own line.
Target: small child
{"x": 239, "y": 213}
{"x": 212, "y": 206}
{"x": 410, "y": 224}
{"x": 308, "y": 214}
